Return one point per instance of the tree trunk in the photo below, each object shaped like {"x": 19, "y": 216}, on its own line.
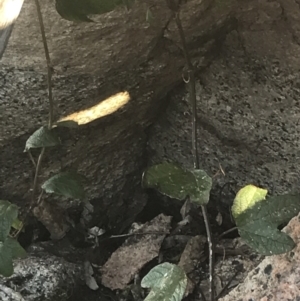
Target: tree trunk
{"x": 248, "y": 109}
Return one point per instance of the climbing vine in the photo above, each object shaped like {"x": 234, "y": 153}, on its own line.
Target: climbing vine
{"x": 257, "y": 215}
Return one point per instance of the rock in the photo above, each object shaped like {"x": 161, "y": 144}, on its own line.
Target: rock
{"x": 276, "y": 277}
{"x": 91, "y": 63}
{"x": 135, "y": 253}
{"x": 248, "y": 109}
{"x": 41, "y": 277}
{"x": 192, "y": 256}
{"x": 232, "y": 265}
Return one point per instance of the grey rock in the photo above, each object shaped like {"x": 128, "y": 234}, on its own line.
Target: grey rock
{"x": 276, "y": 277}
{"x": 92, "y": 62}
{"x": 40, "y": 278}
{"x": 248, "y": 107}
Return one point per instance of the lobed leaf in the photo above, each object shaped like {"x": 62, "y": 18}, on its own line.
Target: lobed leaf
{"x": 176, "y": 182}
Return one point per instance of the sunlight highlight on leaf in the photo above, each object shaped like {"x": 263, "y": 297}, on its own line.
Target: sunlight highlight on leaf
{"x": 246, "y": 198}
{"x": 258, "y": 217}
{"x": 103, "y": 108}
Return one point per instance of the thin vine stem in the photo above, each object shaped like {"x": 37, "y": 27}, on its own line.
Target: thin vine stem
{"x": 31, "y": 158}
{"x": 192, "y": 89}
{"x": 38, "y": 165}
{"x": 192, "y": 95}
{"x": 48, "y": 60}
{"x": 227, "y": 232}
{"x": 50, "y": 95}
{"x": 36, "y": 175}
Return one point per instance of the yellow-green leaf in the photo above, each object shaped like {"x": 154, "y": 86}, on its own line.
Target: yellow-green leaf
{"x": 246, "y": 198}
{"x": 258, "y": 217}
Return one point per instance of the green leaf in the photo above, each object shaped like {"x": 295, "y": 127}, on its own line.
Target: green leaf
{"x": 16, "y": 249}
{"x": 6, "y": 265}
{"x": 9, "y": 249}
{"x": 265, "y": 238}
{"x": 246, "y": 198}
{"x": 78, "y": 10}
{"x": 43, "y": 137}
{"x": 68, "y": 184}
{"x": 281, "y": 208}
{"x": 257, "y": 218}
{"x": 67, "y": 124}
{"x": 8, "y": 214}
{"x": 17, "y": 224}
{"x": 176, "y": 182}
{"x": 167, "y": 282}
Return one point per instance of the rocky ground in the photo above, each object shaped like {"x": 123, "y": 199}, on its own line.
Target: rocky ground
{"x": 248, "y": 124}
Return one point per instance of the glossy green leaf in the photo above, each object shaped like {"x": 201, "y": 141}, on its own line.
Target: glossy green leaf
{"x": 167, "y": 282}
{"x": 8, "y": 214}
{"x": 78, "y": 10}
{"x": 176, "y": 182}
{"x": 68, "y": 184}
{"x": 9, "y": 249}
{"x": 43, "y": 137}
{"x": 257, "y": 223}
{"x": 67, "y": 124}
